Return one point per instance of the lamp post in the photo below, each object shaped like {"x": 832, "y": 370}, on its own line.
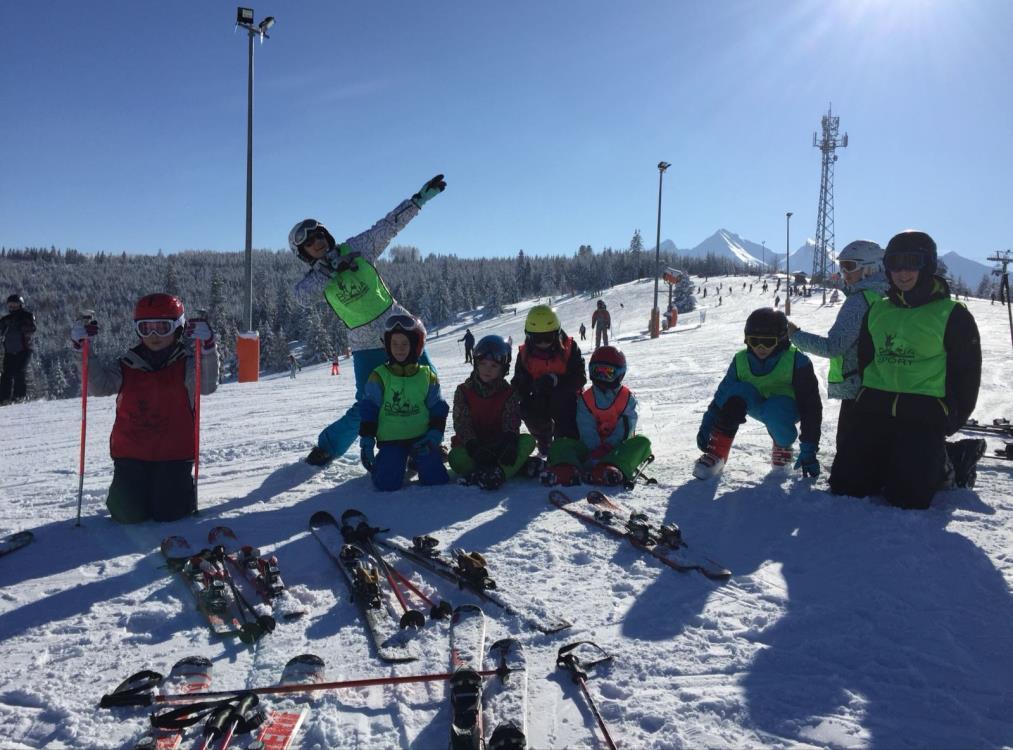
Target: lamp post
{"x": 248, "y": 342}
{"x": 787, "y": 262}
{"x": 763, "y": 264}
{"x": 655, "y": 325}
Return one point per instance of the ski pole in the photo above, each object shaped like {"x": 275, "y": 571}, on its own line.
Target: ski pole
{"x": 87, "y": 316}
{"x": 566, "y": 659}
{"x": 437, "y": 611}
{"x": 197, "y": 356}
{"x": 138, "y": 698}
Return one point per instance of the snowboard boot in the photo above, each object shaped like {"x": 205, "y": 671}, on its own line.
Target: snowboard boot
{"x": 781, "y": 456}
{"x": 964, "y": 455}
{"x": 490, "y": 479}
{"x": 319, "y": 457}
{"x": 565, "y": 475}
{"x": 607, "y": 475}
{"x": 713, "y": 461}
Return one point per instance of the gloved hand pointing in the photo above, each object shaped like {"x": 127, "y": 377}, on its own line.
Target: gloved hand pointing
{"x": 429, "y": 191}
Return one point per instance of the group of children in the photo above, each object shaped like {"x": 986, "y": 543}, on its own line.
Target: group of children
{"x": 581, "y": 434}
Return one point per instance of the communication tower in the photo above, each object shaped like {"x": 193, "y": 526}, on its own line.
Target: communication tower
{"x": 824, "y": 263}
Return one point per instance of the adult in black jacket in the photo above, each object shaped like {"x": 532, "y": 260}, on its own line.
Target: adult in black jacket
{"x": 919, "y": 355}
{"x": 16, "y": 327}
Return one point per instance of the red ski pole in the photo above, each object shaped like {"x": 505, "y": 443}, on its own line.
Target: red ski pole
{"x": 87, "y": 316}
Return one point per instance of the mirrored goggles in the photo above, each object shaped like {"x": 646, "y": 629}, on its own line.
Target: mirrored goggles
{"x": 765, "y": 342}
{"x": 545, "y": 337}
{"x": 905, "y": 262}
{"x": 603, "y": 372}
{"x": 156, "y": 326}
{"x": 849, "y": 266}
{"x": 304, "y": 230}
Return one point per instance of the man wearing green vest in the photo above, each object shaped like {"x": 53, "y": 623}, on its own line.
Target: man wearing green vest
{"x": 919, "y": 356}
{"x": 402, "y": 412}
{"x": 861, "y": 265}
{"x": 773, "y": 382}
{"x": 343, "y": 274}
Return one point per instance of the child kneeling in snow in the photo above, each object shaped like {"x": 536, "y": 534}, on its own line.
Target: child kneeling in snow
{"x": 609, "y": 451}
{"x": 487, "y": 445}
{"x": 773, "y": 382}
{"x": 152, "y": 443}
{"x": 402, "y": 411}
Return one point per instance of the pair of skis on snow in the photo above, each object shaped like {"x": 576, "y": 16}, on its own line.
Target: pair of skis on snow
{"x": 226, "y": 716}
{"x": 1000, "y": 428}
{"x": 221, "y": 578}
{"x": 358, "y": 550}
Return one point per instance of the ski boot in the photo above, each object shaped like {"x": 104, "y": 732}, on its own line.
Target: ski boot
{"x": 713, "y": 461}
{"x": 565, "y": 475}
{"x": 607, "y": 475}
{"x": 964, "y": 455}
{"x": 532, "y": 468}
{"x": 318, "y": 457}
{"x": 781, "y": 456}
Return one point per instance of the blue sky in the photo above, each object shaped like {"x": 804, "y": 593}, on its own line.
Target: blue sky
{"x": 124, "y": 123}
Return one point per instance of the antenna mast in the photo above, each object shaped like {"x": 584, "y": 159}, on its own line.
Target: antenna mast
{"x": 824, "y": 263}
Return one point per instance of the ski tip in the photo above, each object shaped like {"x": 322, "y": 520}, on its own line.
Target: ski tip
{"x": 351, "y": 513}
{"x": 221, "y": 532}
{"x": 558, "y": 496}
{"x": 467, "y": 610}
{"x": 322, "y": 518}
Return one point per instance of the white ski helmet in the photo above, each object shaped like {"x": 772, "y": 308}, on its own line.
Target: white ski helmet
{"x": 864, "y": 255}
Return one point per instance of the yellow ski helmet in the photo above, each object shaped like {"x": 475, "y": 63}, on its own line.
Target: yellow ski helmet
{"x": 541, "y": 319}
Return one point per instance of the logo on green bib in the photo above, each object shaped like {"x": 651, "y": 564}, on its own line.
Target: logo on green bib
{"x": 895, "y": 354}
{"x": 398, "y": 405}
{"x": 349, "y": 289}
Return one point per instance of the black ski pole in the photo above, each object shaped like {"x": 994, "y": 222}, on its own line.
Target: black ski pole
{"x": 566, "y": 659}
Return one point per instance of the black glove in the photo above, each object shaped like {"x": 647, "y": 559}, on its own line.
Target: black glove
{"x": 545, "y": 384}
{"x": 481, "y": 454}
{"x": 429, "y": 191}
{"x": 508, "y": 453}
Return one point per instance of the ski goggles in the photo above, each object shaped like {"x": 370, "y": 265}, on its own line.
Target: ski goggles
{"x": 604, "y": 372}
{"x": 764, "y": 342}
{"x": 157, "y": 326}
{"x": 499, "y": 359}
{"x": 544, "y": 337}
{"x": 905, "y": 261}
{"x": 403, "y": 323}
{"x": 306, "y": 231}
{"x": 849, "y": 266}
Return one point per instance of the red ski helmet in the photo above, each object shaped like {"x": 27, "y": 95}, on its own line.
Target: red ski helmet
{"x": 607, "y": 367}
{"x": 411, "y": 327}
{"x": 158, "y": 306}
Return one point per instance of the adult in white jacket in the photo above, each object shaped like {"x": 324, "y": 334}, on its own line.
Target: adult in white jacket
{"x": 344, "y": 275}
{"x": 861, "y": 265}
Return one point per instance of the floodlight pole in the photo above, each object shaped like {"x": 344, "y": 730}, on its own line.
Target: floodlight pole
{"x": 763, "y": 264}
{"x": 655, "y": 325}
{"x": 787, "y": 262}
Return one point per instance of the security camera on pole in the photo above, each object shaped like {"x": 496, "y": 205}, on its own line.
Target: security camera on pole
{"x": 248, "y": 341}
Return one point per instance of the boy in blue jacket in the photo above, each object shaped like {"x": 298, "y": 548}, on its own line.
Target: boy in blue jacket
{"x": 773, "y": 382}
{"x": 402, "y": 411}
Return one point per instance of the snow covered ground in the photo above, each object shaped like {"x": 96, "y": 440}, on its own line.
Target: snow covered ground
{"x": 847, "y": 623}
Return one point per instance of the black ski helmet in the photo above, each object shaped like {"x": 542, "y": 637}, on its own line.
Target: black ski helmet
{"x": 766, "y": 321}
{"x": 913, "y": 242}
{"x": 495, "y": 348}
{"x": 16, "y": 298}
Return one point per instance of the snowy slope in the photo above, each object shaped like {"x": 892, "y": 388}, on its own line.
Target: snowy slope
{"x": 847, "y": 623}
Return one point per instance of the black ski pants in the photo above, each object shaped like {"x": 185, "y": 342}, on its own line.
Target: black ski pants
{"x": 883, "y": 455}
{"x": 151, "y": 490}
{"x": 12, "y": 382}
{"x": 550, "y": 417}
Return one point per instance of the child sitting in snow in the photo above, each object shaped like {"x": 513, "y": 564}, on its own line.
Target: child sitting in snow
{"x": 152, "y": 443}
{"x": 773, "y": 382}
{"x": 487, "y": 447}
{"x": 402, "y": 411}
{"x": 549, "y": 374}
{"x": 609, "y": 451}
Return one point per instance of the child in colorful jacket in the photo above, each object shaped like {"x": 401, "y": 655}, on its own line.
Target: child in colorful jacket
{"x": 609, "y": 451}
{"x": 773, "y": 382}
{"x": 152, "y": 442}
{"x": 487, "y": 445}
{"x": 402, "y": 411}
{"x": 549, "y": 374}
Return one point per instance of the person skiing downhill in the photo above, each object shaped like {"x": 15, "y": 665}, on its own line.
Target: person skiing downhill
{"x": 344, "y": 275}
{"x": 152, "y": 442}
{"x": 488, "y": 447}
{"x": 609, "y": 450}
{"x": 548, "y": 376}
{"x": 403, "y": 415}
{"x": 16, "y": 328}
{"x": 919, "y": 356}
{"x": 773, "y": 382}
{"x": 861, "y": 264}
